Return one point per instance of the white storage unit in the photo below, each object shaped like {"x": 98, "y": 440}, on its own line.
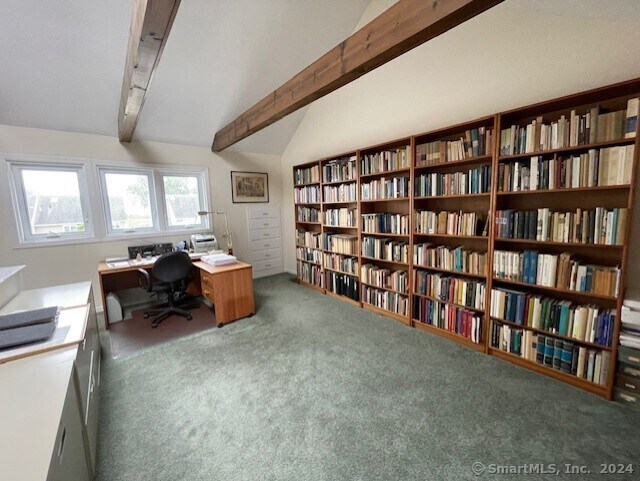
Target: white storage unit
{"x": 265, "y": 240}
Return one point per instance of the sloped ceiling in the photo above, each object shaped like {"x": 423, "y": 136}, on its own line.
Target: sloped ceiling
{"x": 63, "y": 61}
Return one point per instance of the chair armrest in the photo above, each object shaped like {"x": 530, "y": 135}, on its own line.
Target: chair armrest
{"x": 144, "y": 280}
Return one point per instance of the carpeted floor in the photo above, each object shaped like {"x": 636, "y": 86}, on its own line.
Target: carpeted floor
{"x": 312, "y": 388}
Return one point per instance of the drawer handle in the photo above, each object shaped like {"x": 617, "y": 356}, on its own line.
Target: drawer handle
{"x": 266, "y": 224}
{"x": 266, "y": 235}
{"x": 267, "y": 245}
{"x": 634, "y": 359}
{"x": 267, "y": 255}
{"x": 267, "y": 265}
{"x": 207, "y": 293}
{"x": 62, "y": 440}
{"x": 630, "y": 386}
{"x": 265, "y": 214}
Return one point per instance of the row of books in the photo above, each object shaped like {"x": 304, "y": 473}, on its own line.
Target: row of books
{"x": 309, "y": 254}
{"x": 306, "y": 175}
{"x": 578, "y": 129}
{"x": 340, "y": 243}
{"x": 457, "y": 290}
{"x": 608, "y": 166}
{"x": 387, "y": 300}
{"x": 581, "y": 322}
{"x": 339, "y": 262}
{"x": 450, "y": 259}
{"x": 340, "y": 170}
{"x": 309, "y": 273}
{"x": 559, "y": 354}
{"x": 599, "y": 226}
{"x": 385, "y": 223}
{"x": 450, "y": 223}
{"x": 384, "y": 161}
{"x": 383, "y": 188}
{"x": 307, "y": 214}
{"x": 384, "y": 278}
{"x": 307, "y": 195}
{"x": 342, "y": 217}
{"x": 472, "y": 181}
{"x": 556, "y": 270}
{"x": 385, "y": 249}
{"x": 343, "y": 285}
{"x": 474, "y": 143}
{"x": 451, "y": 318}
{"x": 308, "y": 239}
{"x": 340, "y": 193}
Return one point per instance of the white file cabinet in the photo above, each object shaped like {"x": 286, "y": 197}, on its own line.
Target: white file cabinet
{"x": 265, "y": 240}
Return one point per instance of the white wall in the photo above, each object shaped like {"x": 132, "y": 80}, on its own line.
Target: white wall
{"x": 517, "y": 53}
{"x": 64, "y": 264}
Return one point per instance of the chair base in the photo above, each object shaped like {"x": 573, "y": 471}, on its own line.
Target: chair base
{"x": 170, "y": 308}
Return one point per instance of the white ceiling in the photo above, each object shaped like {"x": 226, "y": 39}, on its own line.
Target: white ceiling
{"x": 63, "y": 60}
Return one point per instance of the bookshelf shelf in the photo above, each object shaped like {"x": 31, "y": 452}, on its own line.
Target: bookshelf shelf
{"x": 602, "y": 188}
{"x": 309, "y": 262}
{"x": 375, "y": 259}
{"x": 549, "y": 333}
{"x": 474, "y": 309}
{"x": 569, "y": 150}
{"x": 474, "y": 163}
{"x": 452, "y": 336}
{"x": 386, "y": 172}
{"x": 470, "y": 160}
{"x": 446, "y": 271}
{"x": 548, "y": 371}
{"x": 406, "y": 294}
{"x": 568, "y": 245}
{"x": 588, "y": 295}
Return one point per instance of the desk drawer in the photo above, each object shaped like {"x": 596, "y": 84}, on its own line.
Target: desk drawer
{"x": 266, "y": 223}
{"x": 265, "y": 255}
{"x": 259, "y": 245}
{"x": 263, "y": 212}
{"x": 261, "y": 234}
{"x": 629, "y": 356}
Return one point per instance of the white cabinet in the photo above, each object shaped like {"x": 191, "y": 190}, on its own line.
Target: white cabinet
{"x": 265, "y": 239}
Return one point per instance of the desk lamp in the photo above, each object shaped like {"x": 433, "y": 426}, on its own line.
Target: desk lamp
{"x": 226, "y": 234}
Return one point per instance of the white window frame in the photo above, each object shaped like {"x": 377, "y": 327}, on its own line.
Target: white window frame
{"x": 95, "y": 206}
{"x": 110, "y": 230}
{"x": 19, "y": 200}
{"x": 203, "y": 189}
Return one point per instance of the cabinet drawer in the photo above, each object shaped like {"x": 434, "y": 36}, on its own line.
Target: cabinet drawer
{"x": 629, "y": 383}
{"x": 265, "y": 255}
{"x": 630, "y": 371}
{"x": 267, "y": 265}
{"x": 258, "y": 245}
{"x": 263, "y": 212}
{"x": 627, "y": 397}
{"x": 629, "y": 356}
{"x": 259, "y": 234}
{"x": 266, "y": 223}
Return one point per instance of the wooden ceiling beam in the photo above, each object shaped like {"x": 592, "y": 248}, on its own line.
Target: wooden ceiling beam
{"x": 150, "y": 26}
{"x": 405, "y": 25}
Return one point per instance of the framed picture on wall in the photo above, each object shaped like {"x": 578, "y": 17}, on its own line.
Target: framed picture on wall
{"x": 249, "y": 187}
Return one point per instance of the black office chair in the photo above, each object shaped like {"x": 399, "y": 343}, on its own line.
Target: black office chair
{"x": 172, "y": 274}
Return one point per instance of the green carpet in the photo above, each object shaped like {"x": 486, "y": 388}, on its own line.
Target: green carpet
{"x": 312, "y": 388}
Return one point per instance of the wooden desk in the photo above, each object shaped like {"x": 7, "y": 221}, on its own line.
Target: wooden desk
{"x": 230, "y": 287}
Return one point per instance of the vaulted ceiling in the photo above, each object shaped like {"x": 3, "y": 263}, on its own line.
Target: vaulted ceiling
{"x": 62, "y": 64}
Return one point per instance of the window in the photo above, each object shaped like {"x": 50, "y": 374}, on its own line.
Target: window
{"x": 184, "y": 196}
{"x": 51, "y": 201}
{"x": 129, "y": 200}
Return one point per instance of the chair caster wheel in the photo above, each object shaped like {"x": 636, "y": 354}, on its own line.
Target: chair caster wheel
{"x": 189, "y": 318}
{"x": 154, "y": 326}
{"x": 146, "y": 316}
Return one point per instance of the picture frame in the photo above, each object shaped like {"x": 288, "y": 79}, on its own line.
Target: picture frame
{"x": 249, "y": 187}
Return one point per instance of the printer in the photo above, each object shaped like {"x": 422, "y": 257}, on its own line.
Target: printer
{"x": 203, "y": 243}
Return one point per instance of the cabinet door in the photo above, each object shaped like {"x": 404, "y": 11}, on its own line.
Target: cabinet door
{"x": 69, "y": 461}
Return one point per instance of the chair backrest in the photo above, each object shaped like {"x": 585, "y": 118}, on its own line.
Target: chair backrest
{"x": 172, "y": 267}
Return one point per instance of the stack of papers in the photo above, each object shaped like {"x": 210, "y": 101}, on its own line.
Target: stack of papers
{"x": 630, "y": 334}
{"x": 219, "y": 259}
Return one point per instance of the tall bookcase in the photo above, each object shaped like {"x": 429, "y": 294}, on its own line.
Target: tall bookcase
{"x": 496, "y": 208}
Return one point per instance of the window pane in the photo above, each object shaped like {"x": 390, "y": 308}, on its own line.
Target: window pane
{"x": 182, "y": 197}
{"x": 53, "y": 201}
{"x": 129, "y": 200}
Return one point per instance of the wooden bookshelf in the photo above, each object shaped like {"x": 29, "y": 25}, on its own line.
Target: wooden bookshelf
{"x": 488, "y": 201}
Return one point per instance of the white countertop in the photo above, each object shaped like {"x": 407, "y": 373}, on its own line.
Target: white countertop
{"x": 32, "y": 396}
{"x": 69, "y": 295}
